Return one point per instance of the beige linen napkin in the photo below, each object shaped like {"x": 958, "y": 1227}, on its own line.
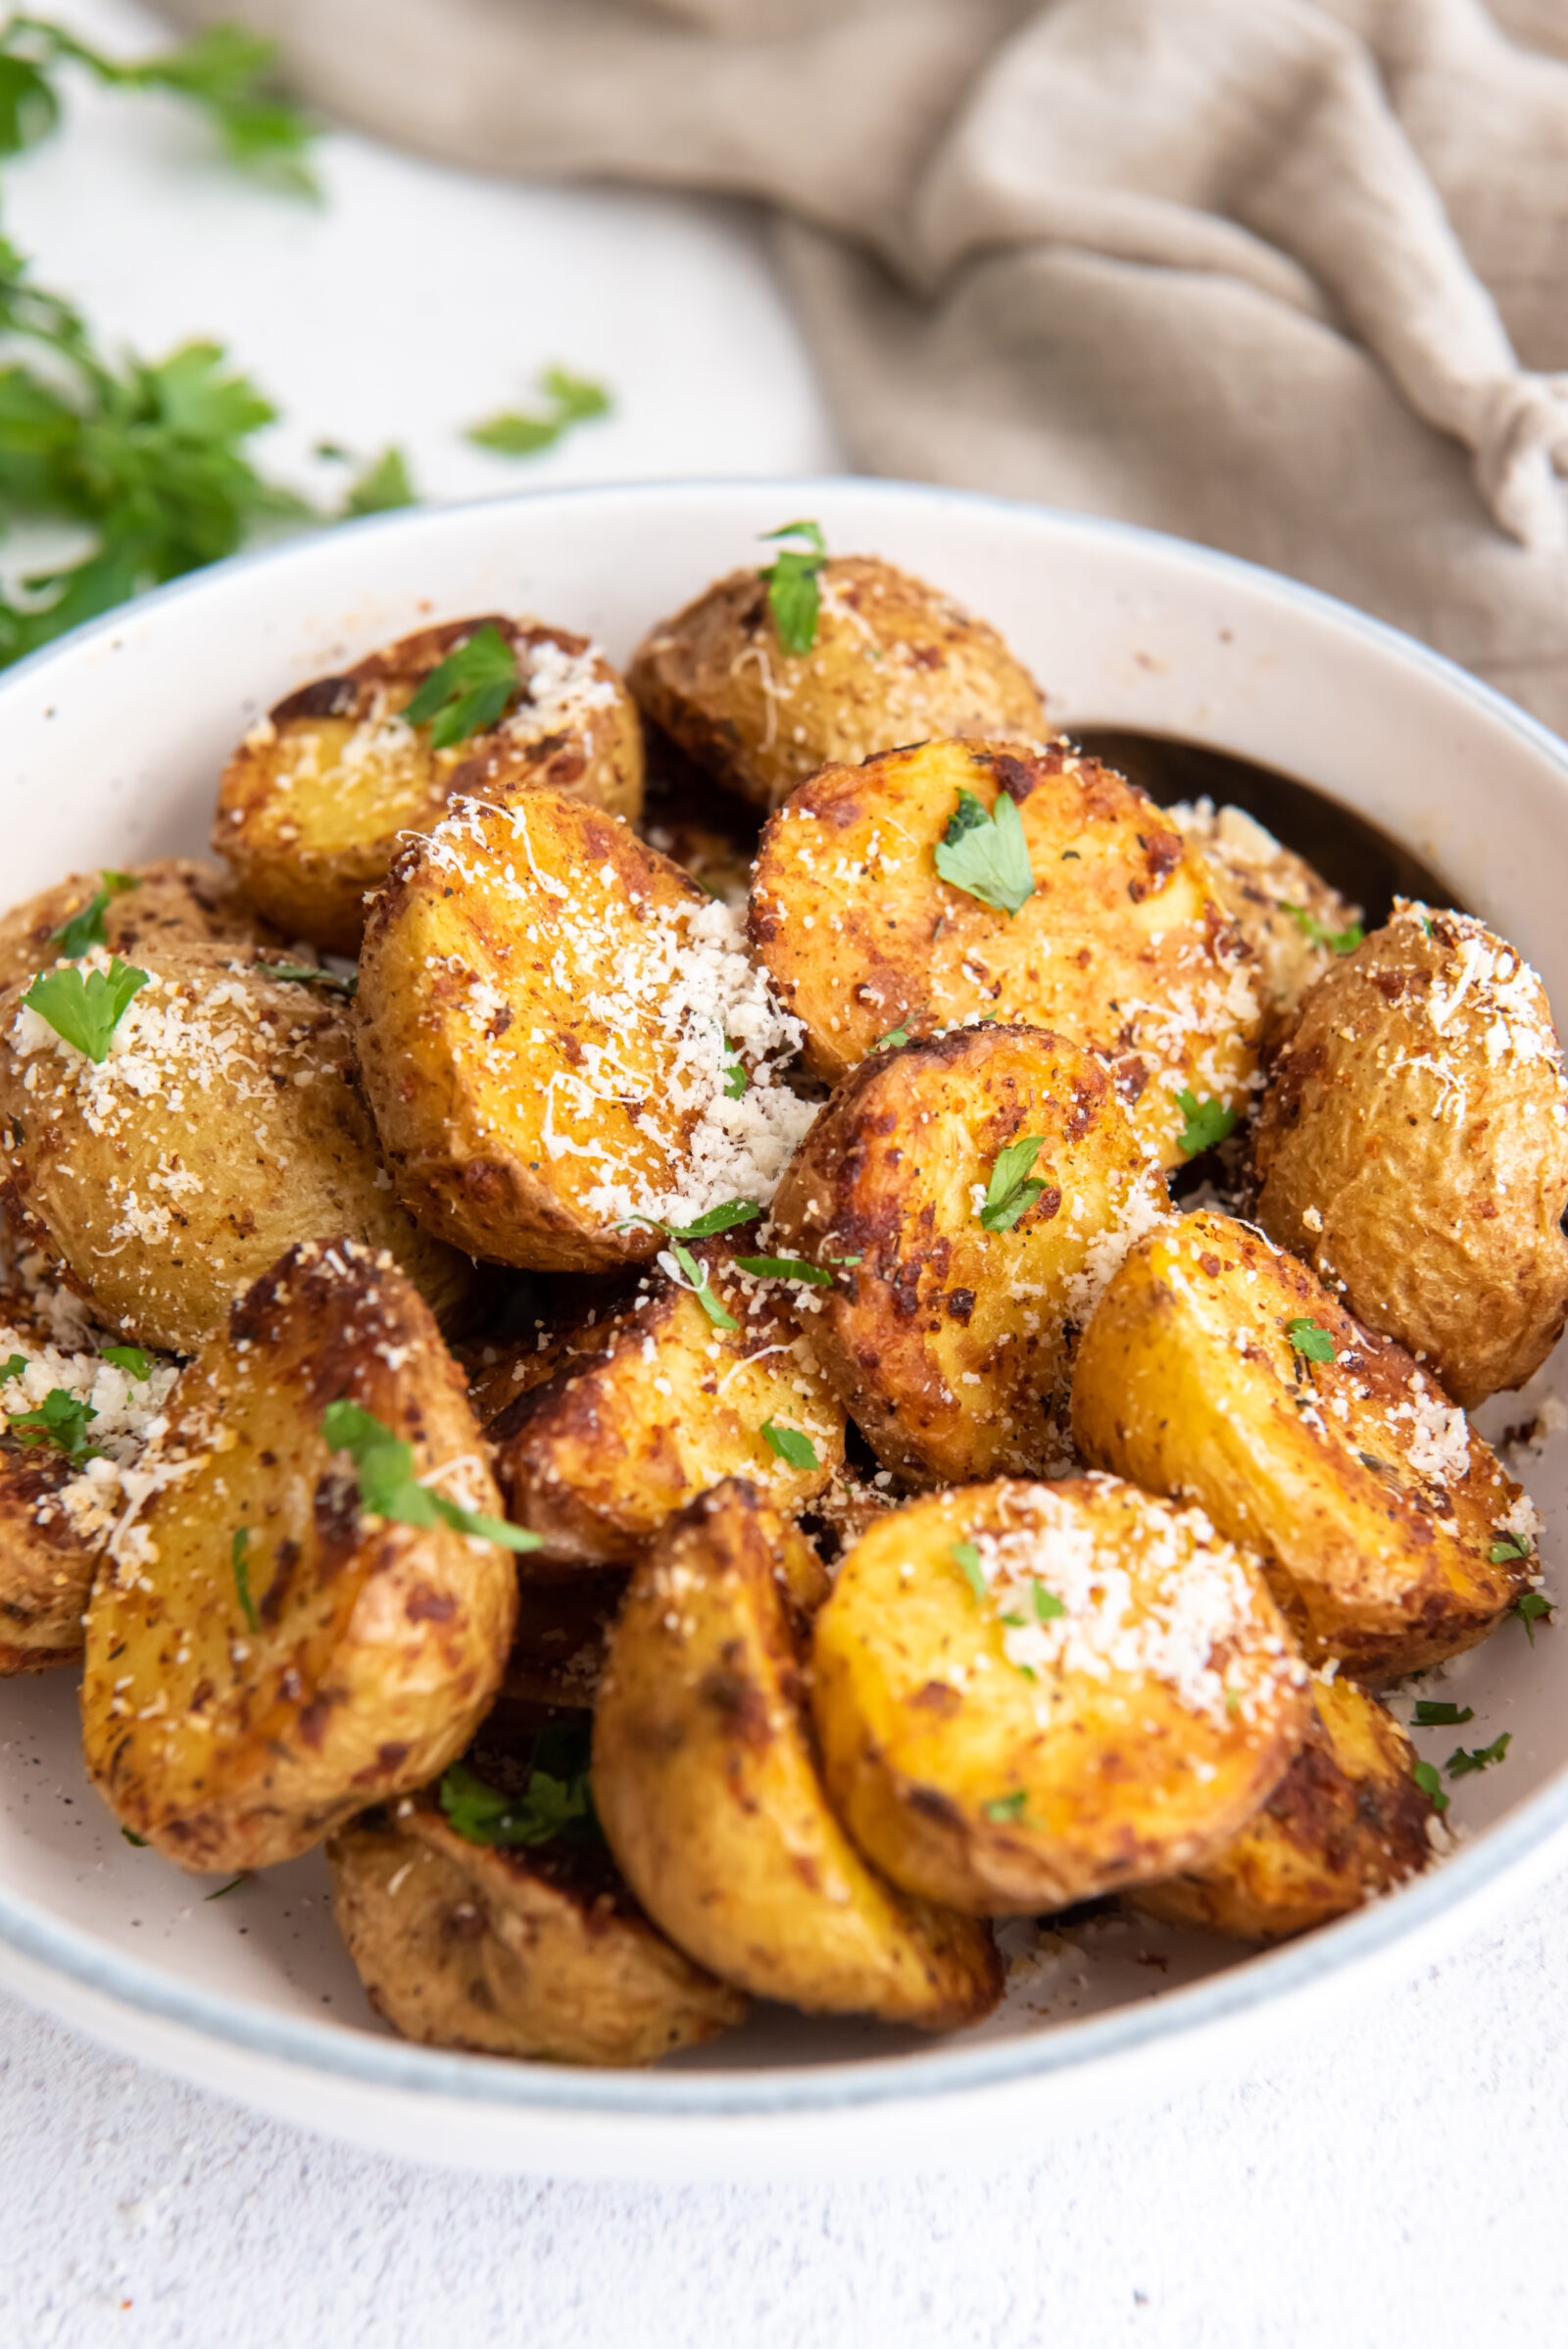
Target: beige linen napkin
{"x": 1289, "y": 277}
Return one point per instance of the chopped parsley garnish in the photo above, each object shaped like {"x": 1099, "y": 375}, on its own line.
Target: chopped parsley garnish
{"x": 1208, "y": 1122}
{"x": 793, "y": 594}
{"x": 1338, "y": 942}
{"x": 555, "y": 1799}
{"x": 984, "y": 853}
{"x": 966, "y": 1556}
{"x": 232, "y": 1885}
{"x": 85, "y": 930}
{"x": 892, "y": 1041}
{"x": 61, "y": 1419}
{"x": 701, "y": 1287}
{"x": 389, "y": 1488}
{"x": 571, "y": 400}
{"x": 1429, "y": 1714}
{"x": 85, "y": 1011}
{"x": 718, "y": 1219}
{"x": 1460, "y": 1763}
{"x": 1427, "y": 1779}
{"x": 1309, "y": 1341}
{"x": 792, "y": 1447}
{"x": 239, "y": 1559}
{"x": 12, "y": 1367}
{"x": 736, "y": 1077}
{"x": 1012, "y": 1190}
{"x": 384, "y": 486}
{"x": 468, "y": 691}
{"x": 305, "y": 975}
{"x": 1002, "y": 1807}
{"x": 788, "y": 1269}
{"x": 1506, "y": 1548}
{"x": 1048, "y": 1607}
{"x": 130, "y": 1359}
{"x": 1529, "y": 1611}
{"x": 131, "y": 1837}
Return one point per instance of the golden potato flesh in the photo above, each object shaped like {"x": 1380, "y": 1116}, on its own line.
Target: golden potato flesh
{"x": 1220, "y": 1369}
{"x": 1295, "y": 923}
{"x": 225, "y": 1122}
{"x": 654, "y": 1404}
{"x": 312, "y": 801}
{"x": 565, "y": 1041}
{"x": 146, "y": 906}
{"x": 704, "y": 1778}
{"x": 1346, "y": 1823}
{"x": 1029, "y": 1694}
{"x": 948, "y": 1340}
{"x": 1123, "y": 947}
{"x": 266, "y": 1655}
{"x": 892, "y": 661}
{"x": 1413, "y": 1148}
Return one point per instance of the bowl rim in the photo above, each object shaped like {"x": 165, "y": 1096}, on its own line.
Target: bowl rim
{"x": 960, "y": 2068}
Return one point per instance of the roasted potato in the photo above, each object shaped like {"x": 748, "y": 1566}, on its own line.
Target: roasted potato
{"x": 1123, "y": 946}
{"x": 892, "y": 660}
{"x": 654, "y": 1404}
{"x": 1292, "y": 919}
{"x": 145, "y": 907}
{"x": 535, "y": 1948}
{"x": 1029, "y": 1694}
{"x": 312, "y": 801}
{"x": 225, "y": 1120}
{"x": 704, "y": 1778}
{"x": 1413, "y": 1148}
{"x": 267, "y": 1652}
{"x": 563, "y": 1040}
{"x": 947, "y": 1338}
{"x": 1220, "y": 1369}
{"x": 1346, "y": 1823}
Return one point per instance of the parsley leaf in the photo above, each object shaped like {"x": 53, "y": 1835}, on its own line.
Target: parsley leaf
{"x": 1427, "y": 1779}
{"x": 736, "y": 1078}
{"x": 61, "y": 1419}
{"x": 1012, "y": 1190}
{"x": 892, "y": 1041}
{"x": 794, "y": 595}
{"x": 130, "y": 1359}
{"x": 1338, "y": 942}
{"x": 382, "y": 487}
{"x": 791, "y": 1446}
{"x": 1309, "y": 1341}
{"x": 85, "y": 1011}
{"x": 1460, "y": 1763}
{"x": 131, "y": 1837}
{"x": 697, "y": 1276}
{"x": 1429, "y": 1714}
{"x": 1208, "y": 1122}
{"x": 12, "y": 1367}
{"x": 786, "y": 1268}
{"x": 572, "y": 400}
{"x": 967, "y": 1556}
{"x": 1506, "y": 1548}
{"x": 986, "y": 854}
{"x": 1048, "y": 1607}
{"x": 556, "y": 1801}
{"x": 469, "y": 690}
{"x": 232, "y": 1885}
{"x": 239, "y": 1560}
{"x": 1002, "y": 1807}
{"x": 1530, "y": 1609}
{"x": 304, "y": 974}
{"x": 388, "y": 1486}
{"x": 718, "y": 1219}
{"x": 85, "y": 930}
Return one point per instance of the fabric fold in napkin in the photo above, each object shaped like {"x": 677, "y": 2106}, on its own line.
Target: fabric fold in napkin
{"x": 1288, "y": 276}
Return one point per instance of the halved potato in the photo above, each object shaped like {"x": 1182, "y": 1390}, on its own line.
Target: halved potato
{"x": 1123, "y": 947}
{"x": 1346, "y": 1823}
{"x": 652, "y": 1404}
{"x": 1413, "y": 1148}
{"x": 892, "y": 660}
{"x": 949, "y": 1342}
{"x": 312, "y": 801}
{"x": 706, "y": 1782}
{"x": 171, "y": 901}
{"x": 563, "y": 1040}
{"x": 1220, "y": 1369}
{"x": 1292, "y": 919}
{"x": 226, "y": 1121}
{"x": 265, "y": 1656}
{"x": 1030, "y": 1694}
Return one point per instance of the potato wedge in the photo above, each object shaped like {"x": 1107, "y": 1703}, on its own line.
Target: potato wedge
{"x": 948, "y": 1341}
{"x": 1295, "y": 923}
{"x": 1220, "y": 1369}
{"x": 705, "y": 1780}
{"x": 1123, "y": 947}
{"x": 172, "y": 900}
{"x": 892, "y": 660}
{"x": 265, "y": 1656}
{"x": 1413, "y": 1149}
{"x": 1030, "y": 1694}
{"x": 561, "y": 1035}
{"x": 313, "y": 799}
{"x": 226, "y": 1121}
{"x": 1346, "y": 1823}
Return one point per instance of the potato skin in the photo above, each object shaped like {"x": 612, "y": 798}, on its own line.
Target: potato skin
{"x": 175, "y": 900}
{"x": 704, "y": 1780}
{"x": 378, "y": 1646}
{"x": 543, "y": 1064}
{"x": 1346, "y": 1823}
{"x": 1372, "y": 1503}
{"x": 1004, "y": 1791}
{"x": 1264, "y": 886}
{"x": 536, "y": 1952}
{"x": 1413, "y": 1149}
{"x": 892, "y": 661}
{"x": 948, "y": 1344}
{"x": 227, "y": 1120}
{"x": 312, "y": 801}
{"x": 1124, "y": 947}
{"x": 654, "y": 1404}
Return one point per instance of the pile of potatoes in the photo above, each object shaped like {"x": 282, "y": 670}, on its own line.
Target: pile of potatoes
{"x": 604, "y": 1330}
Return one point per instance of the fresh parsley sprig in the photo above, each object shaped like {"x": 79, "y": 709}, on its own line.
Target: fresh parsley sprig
{"x": 1338, "y": 942}
{"x": 555, "y": 1803}
{"x": 61, "y": 1419}
{"x": 789, "y": 1445}
{"x": 794, "y": 589}
{"x": 12, "y": 1367}
{"x": 984, "y": 853}
{"x": 723, "y": 1218}
{"x": 1002, "y": 1809}
{"x": 966, "y": 1557}
{"x": 1427, "y": 1778}
{"x": 570, "y": 399}
{"x": 1460, "y": 1763}
{"x": 1012, "y": 1188}
{"x": 130, "y": 1359}
{"x": 1432, "y": 1714}
{"x": 388, "y": 1488}
{"x": 1208, "y": 1123}
{"x": 786, "y": 1268}
{"x": 1507, "y": 1549}
{"x": 85, "y": 930}
{"x": 1530, "y": 1609}
{"x": 85, "y": 1011}
{"x": 1309, "y": 1341}
{"x": 469, "y": 691}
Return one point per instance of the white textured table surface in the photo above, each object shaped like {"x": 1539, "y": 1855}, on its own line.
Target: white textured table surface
{"x": 1397, "y": 2183}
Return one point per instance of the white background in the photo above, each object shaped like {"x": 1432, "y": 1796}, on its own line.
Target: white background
{"x": 1398, "y": 2182}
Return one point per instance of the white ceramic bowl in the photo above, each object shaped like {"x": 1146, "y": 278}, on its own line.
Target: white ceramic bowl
{"x": 112, "y": 747}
